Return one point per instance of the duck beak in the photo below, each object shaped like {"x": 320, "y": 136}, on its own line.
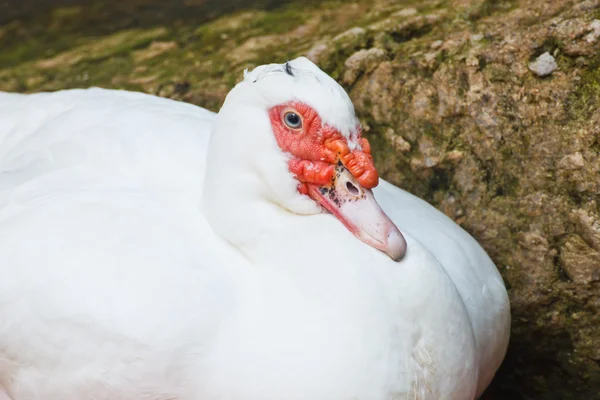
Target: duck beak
{"x": 358, "y": 210}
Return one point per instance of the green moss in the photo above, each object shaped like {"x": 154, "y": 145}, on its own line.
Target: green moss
{"x": 66, "y": 12}
{"x": 113, "y": 45}
{"x": 86, "y": 49}
{"x": 70, "y": 48}
{"x": 497, "y": 73}
{"x": 214, "y": 32}
{"x": 279, "y": 21}
{"x": 489, "y": 7}
{"x": 585, "y": 99}
{"x": 550, "y": 45}
{"x": 18, "y": 47}
{"x": 410, "y": 31}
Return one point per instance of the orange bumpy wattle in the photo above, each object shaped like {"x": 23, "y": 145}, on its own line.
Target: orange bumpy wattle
{"x": 317, "y": 148}
{"x": 359, "y": 162}
{"x": 317, "y": 172}
{"x": 361, "y": 166}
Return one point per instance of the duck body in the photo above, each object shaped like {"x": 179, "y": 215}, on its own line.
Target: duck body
{"x": 116, "y": 285}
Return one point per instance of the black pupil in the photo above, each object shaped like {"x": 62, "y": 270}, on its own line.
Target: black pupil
{"x": 293, "y": 119}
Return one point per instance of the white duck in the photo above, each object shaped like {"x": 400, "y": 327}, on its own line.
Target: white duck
{"x": 139, "y": 260}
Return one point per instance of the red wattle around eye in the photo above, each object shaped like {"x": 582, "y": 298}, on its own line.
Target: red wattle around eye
{"x": 317, "y": 148}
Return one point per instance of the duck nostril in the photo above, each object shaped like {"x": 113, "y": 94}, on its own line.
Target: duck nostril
{"x": 352, "y": 189}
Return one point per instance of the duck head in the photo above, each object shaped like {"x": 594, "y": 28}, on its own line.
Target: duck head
{"x": 290, "y": 135}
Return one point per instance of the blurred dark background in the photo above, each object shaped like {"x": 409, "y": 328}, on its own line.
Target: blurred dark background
{"x": 146, "y": 11}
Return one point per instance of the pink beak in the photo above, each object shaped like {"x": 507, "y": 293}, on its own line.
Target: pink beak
{"x": 358, "y": 210}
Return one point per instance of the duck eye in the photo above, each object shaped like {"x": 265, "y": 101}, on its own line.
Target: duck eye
{"x": 292, "y": 120}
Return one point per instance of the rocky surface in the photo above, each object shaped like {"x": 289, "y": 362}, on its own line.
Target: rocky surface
{"x": 450, "y": 101}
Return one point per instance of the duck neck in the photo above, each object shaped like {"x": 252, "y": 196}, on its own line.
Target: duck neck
{"x": 262, "y": 230}
{"x": 237, "y": 213}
